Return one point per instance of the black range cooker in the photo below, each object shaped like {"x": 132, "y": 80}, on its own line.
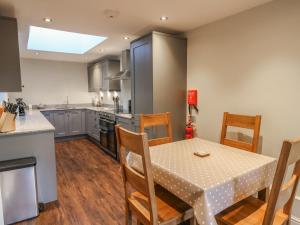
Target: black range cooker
{"x": 108, "y": 140}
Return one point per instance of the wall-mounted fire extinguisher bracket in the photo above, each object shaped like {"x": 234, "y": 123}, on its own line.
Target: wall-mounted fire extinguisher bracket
{"x": 192, "y": 100}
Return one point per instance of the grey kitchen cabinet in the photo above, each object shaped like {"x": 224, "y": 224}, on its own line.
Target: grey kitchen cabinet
{"x": 95, "y": 77}
{"x": 126, "y": 123}
{"x": 49, "y": 116}
{"x": 100, "y": 74}
{"x": 67, "y": 122}
{"x": 90, "y": 119}
{"x": 92, "y": 124}
{"x": 60, "y": 123}
{"x": 159, "y": 78}
{"x": 76, "y": 122}
{"x": 10, "y": 73}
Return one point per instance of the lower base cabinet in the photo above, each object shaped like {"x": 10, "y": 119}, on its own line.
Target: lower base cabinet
{"x": 67, "y": 122}
{"x": 92, "y": 124}
{"x": 126, "y": 123}
{"x": 60, "y": 123}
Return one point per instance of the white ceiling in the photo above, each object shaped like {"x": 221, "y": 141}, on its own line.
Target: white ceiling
{"x": 136, "y": 17}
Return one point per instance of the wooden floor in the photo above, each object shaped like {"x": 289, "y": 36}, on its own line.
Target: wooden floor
{"x": 90, "y": 189}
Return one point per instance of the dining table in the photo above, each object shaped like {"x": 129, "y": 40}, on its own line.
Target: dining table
{"x": 208, "y": 184}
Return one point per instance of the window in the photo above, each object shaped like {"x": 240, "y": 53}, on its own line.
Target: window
{"x": 45, "y": 39}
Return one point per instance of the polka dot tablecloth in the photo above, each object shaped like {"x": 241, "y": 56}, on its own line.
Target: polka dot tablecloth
{"x": 210, "y": 184}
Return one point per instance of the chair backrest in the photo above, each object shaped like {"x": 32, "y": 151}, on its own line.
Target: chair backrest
{"x": 154, "y": 120}
{"x": 290, "y": 154}
{"x": 241, "y": 121}
{"x": 137, "y": 143}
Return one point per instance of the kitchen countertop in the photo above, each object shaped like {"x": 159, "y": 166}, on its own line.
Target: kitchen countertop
{"x": 32, "y": 122}
{"x": 98, "y": 109}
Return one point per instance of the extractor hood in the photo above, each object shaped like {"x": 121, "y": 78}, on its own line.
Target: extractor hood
{"x": 124, "y": 73}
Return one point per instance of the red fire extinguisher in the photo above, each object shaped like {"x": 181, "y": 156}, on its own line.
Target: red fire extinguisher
{"x": 192, "y": 104}
{"x": 189, "y": 130}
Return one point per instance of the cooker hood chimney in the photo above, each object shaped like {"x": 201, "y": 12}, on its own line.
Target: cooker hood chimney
{"x": 124, "y": 73}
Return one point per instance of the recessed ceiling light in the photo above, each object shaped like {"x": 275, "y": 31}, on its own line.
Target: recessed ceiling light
{"x": 47, "y": 20}
{"x": 164, "y": 18}
{"x": 126, "y": 38}
{"x": 45, "y": 39}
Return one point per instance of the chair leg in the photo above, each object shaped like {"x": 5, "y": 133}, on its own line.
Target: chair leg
{"x": 128, "y": 217}
{"x": 193, "y": 221}
{"x": 138, "y": 222}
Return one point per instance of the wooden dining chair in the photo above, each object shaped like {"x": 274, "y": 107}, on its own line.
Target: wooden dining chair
{"x": 276, "y": 211}
{"x": 241, "y": 121}
{"x": 149, "y": 207}
{"x": 154, "y": 120}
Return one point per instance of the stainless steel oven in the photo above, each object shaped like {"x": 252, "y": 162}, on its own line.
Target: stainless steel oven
{"x": 107, "y": 134}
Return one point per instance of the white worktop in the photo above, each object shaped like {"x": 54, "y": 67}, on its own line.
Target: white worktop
{"x": 35, "y": 122}
{"x": 98, "y": 109}
{"x": 32, "y": 122}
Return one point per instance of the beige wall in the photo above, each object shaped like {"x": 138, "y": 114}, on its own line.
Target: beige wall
{"x": 50, "y": 82}
{"x": 249, "y": 64}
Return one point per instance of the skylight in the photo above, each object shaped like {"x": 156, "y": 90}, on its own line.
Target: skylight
{"x": 45, "y": 39}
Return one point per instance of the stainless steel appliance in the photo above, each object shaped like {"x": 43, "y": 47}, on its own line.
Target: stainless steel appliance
{"x": 18, "y": 189}
{"x": 108, "y": 143}
{"x": 124, "y": 73}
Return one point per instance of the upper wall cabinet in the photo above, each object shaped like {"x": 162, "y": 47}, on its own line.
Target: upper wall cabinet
{"x": 100, "y": 76}
{"x": 10, "y": 74}
{"x": 95, "y": 77}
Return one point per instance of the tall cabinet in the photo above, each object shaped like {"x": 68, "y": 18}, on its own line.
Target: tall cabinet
{"x": 159, "y": 77}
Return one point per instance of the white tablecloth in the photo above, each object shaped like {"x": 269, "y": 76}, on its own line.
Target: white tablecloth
{"x": 209, "y": 184}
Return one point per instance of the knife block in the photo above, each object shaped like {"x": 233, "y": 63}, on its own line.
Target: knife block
{"x": 1, "y": 111}
{"x": 7, "y": 122}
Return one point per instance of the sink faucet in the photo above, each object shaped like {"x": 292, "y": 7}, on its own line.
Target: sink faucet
{"x": 67, "y": 101}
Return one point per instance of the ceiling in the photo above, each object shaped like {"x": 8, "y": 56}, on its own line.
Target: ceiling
{"x": 134, "y": 18}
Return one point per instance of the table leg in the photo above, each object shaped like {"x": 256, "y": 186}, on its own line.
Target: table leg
{"x": 264, "y": 194}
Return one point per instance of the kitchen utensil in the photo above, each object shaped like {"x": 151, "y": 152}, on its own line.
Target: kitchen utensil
{"x": 21, "y": 105}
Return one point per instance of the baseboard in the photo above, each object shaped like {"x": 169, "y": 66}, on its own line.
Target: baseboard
{"x": 295, "y": 220}
{"x": 70, "y": 138}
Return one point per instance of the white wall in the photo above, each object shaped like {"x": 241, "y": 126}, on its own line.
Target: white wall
{"x": 50, "y": 82}
{"x": 3, "y": 96}
{"x": 249, "y": 64}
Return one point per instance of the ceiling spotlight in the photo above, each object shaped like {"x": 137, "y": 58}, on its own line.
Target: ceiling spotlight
{"x": 47, "y": 20}
{"x": 126, "y": 38}
{"x": 164, "y": 18}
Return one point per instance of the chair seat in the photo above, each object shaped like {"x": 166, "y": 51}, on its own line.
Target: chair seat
{"x": 169, "y": 207}
{"x": 250, "y": 211}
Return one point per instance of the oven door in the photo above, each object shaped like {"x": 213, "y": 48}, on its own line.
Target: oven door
{"x": 103, "y": 138}
{"x": 108, "y": 137}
